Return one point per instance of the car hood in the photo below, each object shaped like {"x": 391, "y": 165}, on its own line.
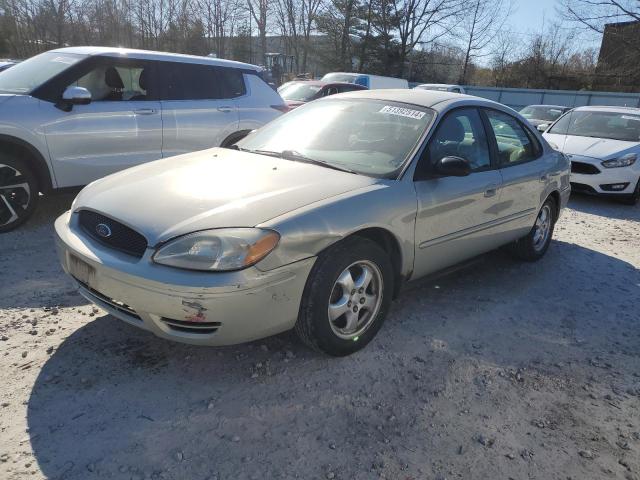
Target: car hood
{"x": 599, "y": 148}
{"x": 213, "y": 188}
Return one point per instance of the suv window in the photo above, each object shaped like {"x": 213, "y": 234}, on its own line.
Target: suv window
{"x": 515, "y": 143}
{"x": 190, "y": 81}
{"x": 459, "y": 134}
{"x": 233, "y": 82}
{"x": 111, "y": 81}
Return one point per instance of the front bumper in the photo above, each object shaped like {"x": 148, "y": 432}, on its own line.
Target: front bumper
{"x": 200, "y": 308}
{"x": 600, "y": 183}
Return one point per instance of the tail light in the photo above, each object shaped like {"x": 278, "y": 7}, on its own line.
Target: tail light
{"x": 281, "y": 108}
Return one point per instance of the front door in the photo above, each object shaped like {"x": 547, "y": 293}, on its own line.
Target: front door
{"x": 456, "y": 215}
{"x": 120, "y": 128}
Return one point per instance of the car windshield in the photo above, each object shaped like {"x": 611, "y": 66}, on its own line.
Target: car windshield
{"x": 611, "y": 125}
{"x": 26, "y": 76}
{"x": 340, "y": 77}
{"x": 299, "y": 92}
{"x": 549, "y": 114}
{"x": 368, "y": 137}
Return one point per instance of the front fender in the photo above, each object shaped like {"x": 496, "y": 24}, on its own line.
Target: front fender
{"x": 305, "y": 232}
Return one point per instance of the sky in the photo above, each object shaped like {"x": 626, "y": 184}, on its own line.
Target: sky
{"x": 530, "y": 15}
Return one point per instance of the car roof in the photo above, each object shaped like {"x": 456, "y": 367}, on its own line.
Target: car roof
{"x": 153, "y": 55}
{"x": 611, "y": 109}
{"x": 547, "y": 106}
{"x": 320, "y": 83}
{"x": 434, "y": 99}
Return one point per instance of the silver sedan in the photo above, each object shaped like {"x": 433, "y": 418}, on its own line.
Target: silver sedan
{"x": 316, "y": 220}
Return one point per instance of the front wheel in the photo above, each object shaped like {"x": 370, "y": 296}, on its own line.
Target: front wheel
{"x": 347, "y": 297}
{"x": 534, "y": 245}
{"x": 18, "y": 193}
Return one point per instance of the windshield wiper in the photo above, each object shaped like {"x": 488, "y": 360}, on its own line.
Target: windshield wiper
{"x": 299, "y": 157}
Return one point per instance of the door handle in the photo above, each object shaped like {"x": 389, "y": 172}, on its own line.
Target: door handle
{"x": 145, "y": 111}
{"x": 224, "y": 109}
{"x": 491, "y": 192}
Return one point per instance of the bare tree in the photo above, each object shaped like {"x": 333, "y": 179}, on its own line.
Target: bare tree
{"x": 259, "y": 10}
{"x": 481, "y": 22}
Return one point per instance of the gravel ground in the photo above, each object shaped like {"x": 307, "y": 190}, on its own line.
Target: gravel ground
{"x": 503, "y": 370}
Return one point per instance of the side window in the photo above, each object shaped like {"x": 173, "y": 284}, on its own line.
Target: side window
{"x": 112, "y": 80}
{"x": 190, "y": 81}
{"x": 515, "y": 144}
{"x": 459, "y": 134}
{"x": 232, "y": 82}
{"x": 330, "y": 91}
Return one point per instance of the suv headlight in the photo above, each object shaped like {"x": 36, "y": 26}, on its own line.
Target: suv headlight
{"x": 624, "y": 161}
{"x": 218, "y": 250}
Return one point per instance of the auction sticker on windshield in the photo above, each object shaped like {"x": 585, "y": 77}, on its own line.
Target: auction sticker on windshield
{"x": 402, "y": 112}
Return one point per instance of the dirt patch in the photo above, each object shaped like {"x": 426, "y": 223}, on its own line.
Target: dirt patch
{"x": 503, "y": 370}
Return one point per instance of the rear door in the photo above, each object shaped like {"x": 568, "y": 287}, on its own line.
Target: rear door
{"x": 524, "y": 169}
{"x": 120, "y": 128}
{"x": 195, "y": 113}
{"x": 456, "y": 215}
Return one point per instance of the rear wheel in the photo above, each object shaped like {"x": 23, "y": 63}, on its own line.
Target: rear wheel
{"x": 534, "y": 245}
{"x": 347, "y": 297}
{"x": 18, "y": 193}
{"x": 633, "y": 198}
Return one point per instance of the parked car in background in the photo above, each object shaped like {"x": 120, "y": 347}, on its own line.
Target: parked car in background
{"x": 541, "y": 116}
{"x": 318, "y": 231}
{"x": 370, "y": 81}
{"x": 441, "y": 87}
{"x": 603, "y": 144}
{"x": 5, "y": 64}
{"x": 71, "y": 116}
{"x": 299, "y": 93}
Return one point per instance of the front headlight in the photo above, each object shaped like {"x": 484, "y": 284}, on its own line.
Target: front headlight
{"x": 218, "y": 250}
{"x": 624, "y": 161}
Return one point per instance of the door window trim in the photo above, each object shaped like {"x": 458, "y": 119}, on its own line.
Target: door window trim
{"x": 539, "y": 150}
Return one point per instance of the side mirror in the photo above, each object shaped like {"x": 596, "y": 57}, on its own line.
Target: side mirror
{"x": 453, "y": 167}
{"x": 77, "y": 96}
{"x": 542, "y": 127}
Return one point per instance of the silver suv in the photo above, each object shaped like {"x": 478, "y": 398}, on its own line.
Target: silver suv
{"x": 73, "y": 115}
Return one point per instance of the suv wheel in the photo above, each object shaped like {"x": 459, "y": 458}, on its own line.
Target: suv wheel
{"x": 347, "y": 297}
{"x": 533, "y": 246}
{"x": 18, "y": 193}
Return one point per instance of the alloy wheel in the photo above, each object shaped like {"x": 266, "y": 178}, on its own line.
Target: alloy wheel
{"x": 15, "y": 195}
{"x": 355, "y": 299}
{"x": 542, "y": 228}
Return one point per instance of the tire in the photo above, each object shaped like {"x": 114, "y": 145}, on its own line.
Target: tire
{"x": 633, "y": 198}
{"x": 531, "y": 247}
{"x": 18, "y": 193}
{"x": 234, "y": 138}
{"x": 340, "y": 335}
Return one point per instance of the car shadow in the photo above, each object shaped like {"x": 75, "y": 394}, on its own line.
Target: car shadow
{"x": 116, "y": 402}
{"x": 604, "y": 207}
{"x": 32, "y": 277}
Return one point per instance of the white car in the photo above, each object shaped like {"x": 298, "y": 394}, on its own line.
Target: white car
{"x": 73, "y": 115}
{"x": 441, "y": 87}
{"x": 372, "y": 82}
{"x": 603, "y": 144}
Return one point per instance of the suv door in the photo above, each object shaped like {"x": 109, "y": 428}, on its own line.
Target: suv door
{"x": 120, "y": 128}
{"x": 456, "y": 215}
{"x": 524, "y": 169}
{"x": 197, "y": 112}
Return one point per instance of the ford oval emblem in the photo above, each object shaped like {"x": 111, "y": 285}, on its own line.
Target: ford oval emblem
{"x": 103, "y": 230}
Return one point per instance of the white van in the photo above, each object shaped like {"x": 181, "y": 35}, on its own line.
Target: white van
{"x": 441, "y": 87}
{"x": 370, "y": 81}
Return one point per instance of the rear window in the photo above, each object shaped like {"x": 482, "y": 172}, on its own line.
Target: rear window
{"x": 190, "y": 81}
